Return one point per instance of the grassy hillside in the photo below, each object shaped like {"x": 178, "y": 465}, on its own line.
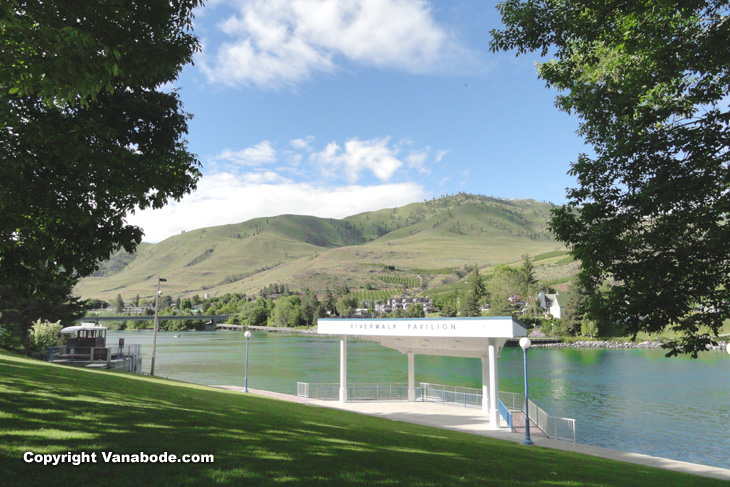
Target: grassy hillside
{"x": 419, "y": 243}
{"x": 50, "y": 409}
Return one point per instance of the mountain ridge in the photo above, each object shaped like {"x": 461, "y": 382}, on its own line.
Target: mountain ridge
{"x": 306, "y": 251}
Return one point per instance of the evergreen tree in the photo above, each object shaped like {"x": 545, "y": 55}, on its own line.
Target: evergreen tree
{"x": 469, "y": 305}
{"x": 330, "y": 304}
{"x": 477, "y": 286}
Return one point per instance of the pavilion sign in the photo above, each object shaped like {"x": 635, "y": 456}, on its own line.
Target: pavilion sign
{"x": 492, "y": 327}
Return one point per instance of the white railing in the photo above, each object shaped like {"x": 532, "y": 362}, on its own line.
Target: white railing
{"x": 123, "y": 358}
{"x": 553, "y": 426}
{"x": 355, "y": 391}
{"x": 467, "y": 397}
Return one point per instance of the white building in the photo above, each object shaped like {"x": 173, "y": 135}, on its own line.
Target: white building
{"x": 550, "y": 304}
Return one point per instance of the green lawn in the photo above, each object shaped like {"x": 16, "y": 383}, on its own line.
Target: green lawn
{"x": 256, "y": 441}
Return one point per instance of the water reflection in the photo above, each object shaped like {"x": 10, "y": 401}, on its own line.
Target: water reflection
{"x": 632, "y": 400}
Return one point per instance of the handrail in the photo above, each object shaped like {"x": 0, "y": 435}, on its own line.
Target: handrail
{"x": 554, "y": 427}
{"x": 506, "y": 414}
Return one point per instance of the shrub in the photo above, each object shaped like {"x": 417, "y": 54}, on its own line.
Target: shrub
{"x": 44, "y": 334}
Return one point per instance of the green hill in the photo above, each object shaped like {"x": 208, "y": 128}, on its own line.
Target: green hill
{"x": 419, "y": 246}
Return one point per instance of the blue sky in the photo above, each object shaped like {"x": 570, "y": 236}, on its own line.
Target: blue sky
{"x": 335, "y": 107}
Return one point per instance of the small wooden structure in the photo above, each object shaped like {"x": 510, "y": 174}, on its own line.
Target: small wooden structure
{"x": 84, "y": 345}
{"x": 84, "y": 341}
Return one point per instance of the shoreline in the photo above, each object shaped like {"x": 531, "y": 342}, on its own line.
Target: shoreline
{"x": 608, "y": 344}
{"x": 615, "y": 344}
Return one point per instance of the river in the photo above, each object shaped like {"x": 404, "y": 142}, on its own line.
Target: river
{"x": 632, "y": 400}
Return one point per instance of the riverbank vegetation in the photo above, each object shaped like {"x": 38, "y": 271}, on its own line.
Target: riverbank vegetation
{"x": 50, "y": 409}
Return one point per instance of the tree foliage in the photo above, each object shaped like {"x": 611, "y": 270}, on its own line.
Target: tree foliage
{"x": 45, "y": 334}
{"x": 468, "y": 305}
{"x": 650, "y": 83}
{"x": 477, "y": 286}
{"x": 86, "y": 135}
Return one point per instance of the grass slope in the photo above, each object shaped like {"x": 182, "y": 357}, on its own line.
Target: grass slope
{"x": 316, "y": 252}
{"x": 51, "y": 409}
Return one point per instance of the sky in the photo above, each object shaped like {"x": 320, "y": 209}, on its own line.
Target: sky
{"x": 337, "y": 107}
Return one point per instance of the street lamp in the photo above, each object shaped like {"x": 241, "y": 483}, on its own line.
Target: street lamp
{"x": 245, "y": 380}
{"x": 154, "y": 330}
{"x": 525, "y": 344}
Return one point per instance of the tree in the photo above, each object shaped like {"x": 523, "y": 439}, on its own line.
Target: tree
{"x": 310, "y": 307}
{"x": 346, "y": 305}
{"x": 45, "y": 334}
{"x": 329, "y": 303}
{"x": 255, "y": 313}
{"x": 506, "y": 282}
{"x": 119, "y": 303}
{"x": 649, "y": 81}
{"x": 86, "y": 135}
{"x": 447, "y": 304}
{"x": 468, "y": 305}
{"x": 574, "y": 306}
{"x": 529, "y": 287}
{"x": 415, "y": 310}
{"x": 477, "y": 286}
{"x": 588, "y": 327}
{"x": 287, "y": 312}
{"x": 53, "y": 301}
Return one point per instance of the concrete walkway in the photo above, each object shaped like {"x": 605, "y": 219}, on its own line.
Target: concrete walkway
{"x": 469, "y": 420}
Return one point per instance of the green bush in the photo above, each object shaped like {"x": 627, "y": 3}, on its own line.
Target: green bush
{"x": 45, "y": 334}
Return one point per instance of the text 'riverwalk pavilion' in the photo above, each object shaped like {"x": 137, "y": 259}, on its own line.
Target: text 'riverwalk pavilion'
{"x": 481, "y": 338}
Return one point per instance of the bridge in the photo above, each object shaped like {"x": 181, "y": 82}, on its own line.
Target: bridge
{"x": 215, "y": 319}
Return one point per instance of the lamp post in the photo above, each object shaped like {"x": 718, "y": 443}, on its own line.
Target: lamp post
{"x": 245, "y": 379}
{"x": 154, "y": 330}
{"x": 525, "y": 344}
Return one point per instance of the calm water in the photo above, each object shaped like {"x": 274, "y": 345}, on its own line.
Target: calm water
{"x": 630, "y": 400}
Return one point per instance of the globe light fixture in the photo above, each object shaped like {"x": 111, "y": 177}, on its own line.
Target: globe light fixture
{"x": 245, "y": 379}
{"x": 525, "y": 344}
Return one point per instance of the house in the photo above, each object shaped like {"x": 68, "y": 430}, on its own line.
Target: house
{"x": 403, "y": 302}
{"x": 550, "y": 304}
{"x": 362, "y": 313}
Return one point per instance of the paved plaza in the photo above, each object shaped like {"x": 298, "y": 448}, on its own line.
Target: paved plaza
{"x": 473, "y": 421}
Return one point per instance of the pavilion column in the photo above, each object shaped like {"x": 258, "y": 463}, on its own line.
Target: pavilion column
{"x": 485, "y": 387}
{"x": 343, "y": 369}
{"x": 411, "y": 377}
{"x": 494, "y": 422}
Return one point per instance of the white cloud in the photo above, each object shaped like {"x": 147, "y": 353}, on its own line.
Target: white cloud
{"x": 261, "y": 153}
{"x": 303, "y": 144}
{"x": 227, "y": 198}
{"x": 417, "y": 160}
{"x": 281, "y": 42}
{"x": 440, "y": 155}
{"x": 267, "y": 177}
{"x": 373, "y": 155}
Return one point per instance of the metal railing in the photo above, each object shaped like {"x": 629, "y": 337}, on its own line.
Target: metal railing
{"x": 356, "y": 391}
{"x": 467, "y": 397}
{"x": 508, "y": 402}
{"x": 123, "y": 358}
{"x": 553, "y": 426}
{"x": 506, "y": 414}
